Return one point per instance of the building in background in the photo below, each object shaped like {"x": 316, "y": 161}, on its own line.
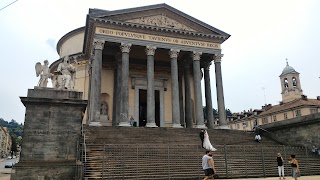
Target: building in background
{"x": 294, "y": 104}
{"x": 5, "y": 142}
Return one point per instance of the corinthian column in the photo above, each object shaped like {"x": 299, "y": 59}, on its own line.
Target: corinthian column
{"x": 220, "y": 96}
{"x": 208, "y": 95}
{"x": 187, "y": 95}
{"x": 150, "y": 87}
{"x": 175, "y": 88}
{"x": 197, "y": 90}
{"x": 95, "y": 90}
{"x": 124, "y": 101}
{"x": 117, "y": 97}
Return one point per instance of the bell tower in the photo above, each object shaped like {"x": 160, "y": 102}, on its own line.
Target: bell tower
{"x": 290, "y": 84}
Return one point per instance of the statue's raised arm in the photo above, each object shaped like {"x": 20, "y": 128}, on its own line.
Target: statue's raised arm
{"x": 44, "y": 72}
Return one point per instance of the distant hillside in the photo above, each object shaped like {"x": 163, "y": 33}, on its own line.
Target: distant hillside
{"x": 15, "y": 129}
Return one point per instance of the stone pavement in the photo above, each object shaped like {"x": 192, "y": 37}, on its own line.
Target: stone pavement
{"x": 4, "y": 172}
{"x": 277, "y": 178}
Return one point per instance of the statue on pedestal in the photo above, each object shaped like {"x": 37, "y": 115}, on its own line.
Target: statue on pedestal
{"x": 104, "y": 109}
{"x": 64, "y": 76}
{"x": 44, "y": 72}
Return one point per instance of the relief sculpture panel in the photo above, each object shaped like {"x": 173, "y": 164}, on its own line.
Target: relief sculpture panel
{"x": 161, "y": 21}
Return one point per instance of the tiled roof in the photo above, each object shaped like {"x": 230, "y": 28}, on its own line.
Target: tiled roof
{"x": 293, "y": 104}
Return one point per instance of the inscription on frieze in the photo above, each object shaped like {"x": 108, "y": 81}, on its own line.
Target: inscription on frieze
{"x": 155, "y": 38}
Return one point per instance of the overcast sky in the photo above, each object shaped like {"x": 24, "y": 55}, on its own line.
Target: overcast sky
{"x": 263, "y": 34}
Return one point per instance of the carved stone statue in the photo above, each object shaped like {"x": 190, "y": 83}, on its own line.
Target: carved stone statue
{"x": 64, "y": 76}
{"x": 104, "y": 109}
{"x": 44, "y": 72}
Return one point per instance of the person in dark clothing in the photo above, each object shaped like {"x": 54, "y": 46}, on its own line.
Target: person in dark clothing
{"x": 201, "y": 134}
{"x": 280, "y": 166}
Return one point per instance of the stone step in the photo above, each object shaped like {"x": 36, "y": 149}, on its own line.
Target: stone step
{"x": 129, "y": 135}
{"x": 160, "y": 153}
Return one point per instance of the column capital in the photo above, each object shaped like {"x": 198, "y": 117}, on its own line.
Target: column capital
{"x": 196, "y": 55}
{"x": 98, "y": 44}
{"x": 150, "y": 50}
{"x": 174, "y": 53}
{"x": 217, "y": 58}
{"x": 125, "y": 48}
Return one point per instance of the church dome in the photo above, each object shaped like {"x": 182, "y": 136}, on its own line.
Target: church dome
{"x": 288, "y": 69}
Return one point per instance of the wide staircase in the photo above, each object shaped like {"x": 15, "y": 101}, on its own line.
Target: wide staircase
{"x": 172, "y": 153}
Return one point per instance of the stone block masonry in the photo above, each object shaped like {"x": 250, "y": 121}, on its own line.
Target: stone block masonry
{"x": 52, "y": 129}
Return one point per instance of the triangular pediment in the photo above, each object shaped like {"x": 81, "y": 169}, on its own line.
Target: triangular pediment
{"x": 159, "y": 15}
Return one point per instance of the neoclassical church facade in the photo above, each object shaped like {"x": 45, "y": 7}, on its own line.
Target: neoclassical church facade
{"x": 145, "y": 65}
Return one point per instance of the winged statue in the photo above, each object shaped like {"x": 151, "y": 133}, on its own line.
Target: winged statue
{"x": 44, "y": 72}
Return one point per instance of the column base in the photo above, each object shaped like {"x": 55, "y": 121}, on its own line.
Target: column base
{"x": 94, "y": 123}
{"x": 151, "y": 125}
{"x": 176, "y": 126}
{"x": 201, "y": 126}
{"x": 124, "y": 124}
{"x": 223, "y": 127}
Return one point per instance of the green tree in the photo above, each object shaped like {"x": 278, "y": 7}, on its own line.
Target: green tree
{"x": 15, "y": 129}
{"x": 215, "y": 112}
{"x": 13, "y": 146}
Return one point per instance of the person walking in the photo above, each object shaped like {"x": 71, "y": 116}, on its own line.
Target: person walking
{"x": 208, "y": 165}
{"x": 280, "y": 166}
{"x": 295, "y": 167}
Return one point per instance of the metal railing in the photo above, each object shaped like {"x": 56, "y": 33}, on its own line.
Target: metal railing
{"x": 130, "y": 161}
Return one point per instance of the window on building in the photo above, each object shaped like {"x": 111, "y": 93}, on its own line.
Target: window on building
{"x": 313, "y": 111}
{"x": 285, "y": 116}
{"x": 294, "y": 82}
{"x": 238, "y": 126}
{"x": 264, "y": 120}
{"x": 286, "y": 84}
{"x": 274, "y": 118}
{"x": 298, "y": 113}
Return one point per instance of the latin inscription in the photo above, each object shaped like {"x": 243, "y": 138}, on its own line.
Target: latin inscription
{"x": 154, "y": 38}
{"x": 41, "y": 132}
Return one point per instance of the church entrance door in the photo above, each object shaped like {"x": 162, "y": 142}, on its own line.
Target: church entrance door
{"x": 143, "y": 108}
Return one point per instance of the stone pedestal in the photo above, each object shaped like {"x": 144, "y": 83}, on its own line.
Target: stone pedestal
{"x": 52, "y": 129}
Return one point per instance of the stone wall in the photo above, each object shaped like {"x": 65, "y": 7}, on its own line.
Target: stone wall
{"x": 52, "y": 129}
{"x": 301, "y": 131}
